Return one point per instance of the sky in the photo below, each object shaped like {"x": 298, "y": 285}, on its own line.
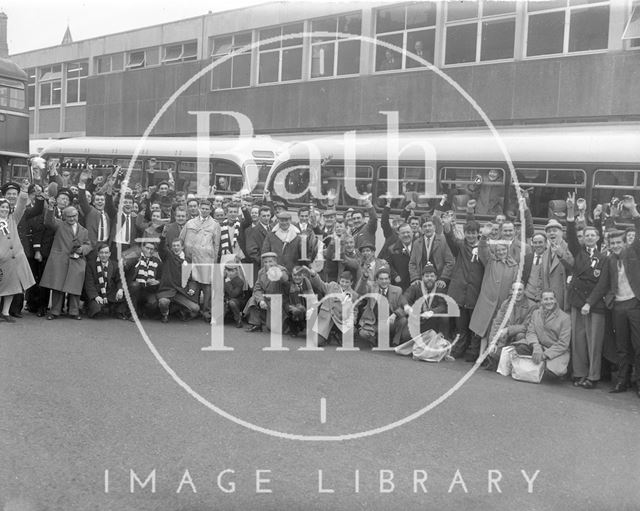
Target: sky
{"x": 34, "y": 24}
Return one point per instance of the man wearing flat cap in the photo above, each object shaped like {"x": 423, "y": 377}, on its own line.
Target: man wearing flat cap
{"x": 272, "y": 279}
{"x": 557, "y": 263}
{"x": 65, "y": 270}
{"x": 285, "y": 241}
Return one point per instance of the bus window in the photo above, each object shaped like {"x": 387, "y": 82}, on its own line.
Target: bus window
{"x": 614, "y": 183}
{"x": 187, "y": 178}
{"x": 484, "y": 185}
{"x": 411, "y": 184}
{"x": 546, "y": 185}
{"x": 332, "y": 179}
{"x": 100, "y": 162}
{"x": 158, "y": 171}
{"x": 136, "y": 172}
{"x": 228, "y": 178}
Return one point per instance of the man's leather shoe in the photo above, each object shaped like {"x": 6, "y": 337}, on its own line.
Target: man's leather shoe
{"x": 619, "y": 387}
{"x": 16, "y": 314}
{"x": 78, "y": 317}
{"x": 51, "y": 316}
{"x": 239, "y": 324}
{"x": 254, "y": 328}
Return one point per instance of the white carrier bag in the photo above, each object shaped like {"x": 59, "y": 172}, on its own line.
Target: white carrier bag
{"x": 429, "y": 346}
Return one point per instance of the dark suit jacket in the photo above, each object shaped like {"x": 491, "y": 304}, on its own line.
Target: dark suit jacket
{"x": 255, "y": 237}
{"x": 92, "y": 285}
{"x": 440, "y": 256}
{"x": 92, "y": 219}
{"x": 608, "y": 282}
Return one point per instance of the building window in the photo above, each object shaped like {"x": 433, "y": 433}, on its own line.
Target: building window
{"x": 143, "y": 58}
{"x": 281, "y": 60}
{"x": 479, "y": 31}
{"x": 410, "y": 27}
{"x": 109, "y": 63}
{"x": 180, "y": 52}
{"x": 566, "y": 26}
{"x": 76, "y": 81}
{"x": 632, "y": 30}
{"x": 31, "y": 87}
{"x": 12, "y": 93}
{"x": 335, "y": 55}
{"x": 236, "y": 70}
{"x": 50, "y": 85}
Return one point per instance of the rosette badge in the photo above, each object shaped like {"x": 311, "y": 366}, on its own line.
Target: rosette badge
{"x": 274, "y": 273}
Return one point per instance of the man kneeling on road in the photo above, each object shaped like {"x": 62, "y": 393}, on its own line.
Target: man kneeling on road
{"x": 548, "y": 336}
{"x": 515, "y": 326}
{"x": 103, "y": 286}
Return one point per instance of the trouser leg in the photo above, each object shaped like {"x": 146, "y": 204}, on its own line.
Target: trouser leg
{"x": 57, "y": 299}
{"x": 595, "y": 337}
{"x": 74, "y": 304}
{"x": 623, "y": 342}
{"x": 579, "y": 344}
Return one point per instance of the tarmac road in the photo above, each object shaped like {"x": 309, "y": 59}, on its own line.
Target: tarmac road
{"x": 86, "y": 402}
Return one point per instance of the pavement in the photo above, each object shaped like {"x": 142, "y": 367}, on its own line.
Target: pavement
{"x": 89, "y": 415}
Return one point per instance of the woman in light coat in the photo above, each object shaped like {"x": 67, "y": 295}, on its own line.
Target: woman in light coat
{"x": 500, "y": 271}
{"x": 15, "y": 273}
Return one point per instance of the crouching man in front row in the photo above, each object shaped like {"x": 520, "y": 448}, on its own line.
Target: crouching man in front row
{"x": 548, "y": 336}
{"x": 171, "y": 289}
{"x": 272, "y": 279}
{"x": 103, "y": 286}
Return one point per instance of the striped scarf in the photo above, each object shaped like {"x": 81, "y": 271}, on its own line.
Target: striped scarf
{"x": 102, "y": 278}
{"x": 146, "y": 268}
{"x": 228, "y": 245}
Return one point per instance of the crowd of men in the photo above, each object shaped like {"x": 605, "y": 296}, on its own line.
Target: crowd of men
{"x": 568, "y": 296}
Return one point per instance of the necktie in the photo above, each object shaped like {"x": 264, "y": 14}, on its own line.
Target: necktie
{"x": 427, "y": 246}
{"x": 127, "y": 226}
{"x": 101, "y": 236}
{"x": 537, "y": 262}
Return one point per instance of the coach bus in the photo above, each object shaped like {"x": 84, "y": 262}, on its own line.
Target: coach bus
{"x": 597, "y": 162}
{"x": 231, "y": 160}
{"x": 14, "y": 122}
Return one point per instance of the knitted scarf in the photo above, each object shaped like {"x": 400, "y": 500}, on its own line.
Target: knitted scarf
{"x": 146, "y": 268}
{"x": 228, "y": 245}
{"x": 102, "y": 279}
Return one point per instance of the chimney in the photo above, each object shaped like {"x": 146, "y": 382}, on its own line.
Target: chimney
{"x": 4, "y": 47}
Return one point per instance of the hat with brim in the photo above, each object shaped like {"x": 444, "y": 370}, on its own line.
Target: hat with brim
{"x": 329, "y": 212}
{"x": 366, "y": 244}
{"x": 284, "y": 215}
{"x": 10, "y": 186}
{"x": 65, "y": 191}
{"x": 269, "y": 254}
{"x": 553, "y": 223}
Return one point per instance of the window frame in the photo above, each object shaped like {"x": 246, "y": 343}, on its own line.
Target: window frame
{"x": 280, "y": 51}
{"x": 478, "y": 21}
{"x": 233, "y": 59}
{"x": 336, "y": 43}
{"x": 181, "y": 57}
{"x": 405, "y": 37}
{"x": 568, "y": 9}
{"x": 80, "y": 78}
{"x": 7, "y": 86}
{"x": 50, "y": 83}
